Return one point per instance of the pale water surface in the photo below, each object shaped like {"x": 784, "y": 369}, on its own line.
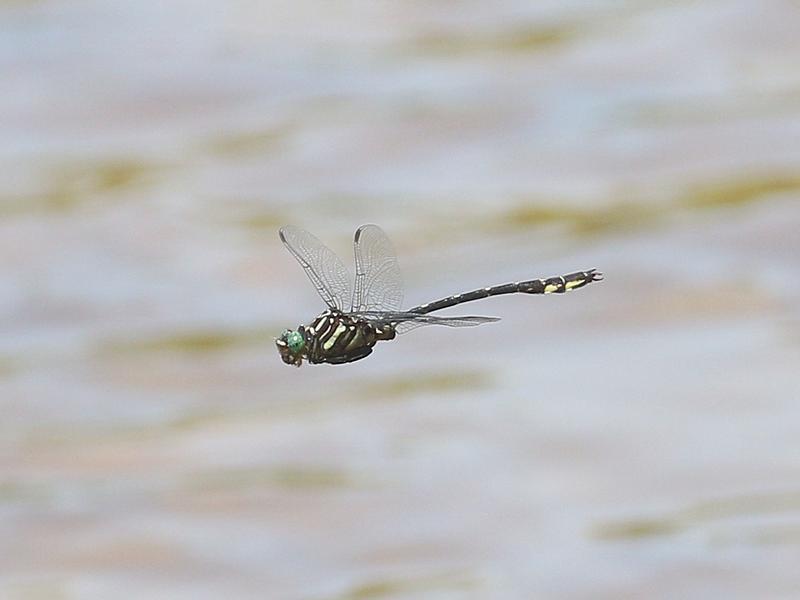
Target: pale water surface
{"x": 637, "y": 439}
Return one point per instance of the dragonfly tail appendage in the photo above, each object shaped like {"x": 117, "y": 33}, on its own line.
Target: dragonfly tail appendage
{"x": 560, "y": 284}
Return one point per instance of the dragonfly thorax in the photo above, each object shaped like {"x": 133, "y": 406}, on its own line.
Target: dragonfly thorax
{"x": 333, "y": 337}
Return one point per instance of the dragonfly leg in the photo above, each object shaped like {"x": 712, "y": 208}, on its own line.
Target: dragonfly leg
{"x": 384, "y": 333}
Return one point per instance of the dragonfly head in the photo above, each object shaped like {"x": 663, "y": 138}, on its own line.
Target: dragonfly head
{"x": 290, "y": 346}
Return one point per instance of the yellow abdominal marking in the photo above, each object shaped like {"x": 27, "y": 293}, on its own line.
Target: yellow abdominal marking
{"x": 332, "y": 340}
{"x": 550, "y": 288}
{"x": 572, "y": 284}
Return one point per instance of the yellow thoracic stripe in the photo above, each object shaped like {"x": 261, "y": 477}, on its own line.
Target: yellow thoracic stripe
{"x": 332, "y": 340}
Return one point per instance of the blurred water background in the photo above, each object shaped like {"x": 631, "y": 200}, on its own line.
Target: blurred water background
{"x": 636, "y": 439}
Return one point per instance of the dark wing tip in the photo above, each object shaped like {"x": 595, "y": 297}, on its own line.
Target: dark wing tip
{"x": 361, "y": 230}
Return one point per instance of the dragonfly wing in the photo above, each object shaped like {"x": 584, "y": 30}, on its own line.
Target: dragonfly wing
{"x": 406, "y": 321}
{"x": 470, "y": 321}
{"x": 378, "y": 282}
{"x": 323, "y": 267}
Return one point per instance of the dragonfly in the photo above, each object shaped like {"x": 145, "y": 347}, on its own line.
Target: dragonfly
{"x": 364, "y": 310}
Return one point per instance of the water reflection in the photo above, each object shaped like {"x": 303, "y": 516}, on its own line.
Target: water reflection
{"x": 699, "y": 515}
{"x": 638, "y": 439}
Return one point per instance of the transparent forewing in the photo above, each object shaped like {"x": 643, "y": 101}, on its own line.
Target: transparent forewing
{"x": 325, "y": 270}
{"x": 378, "y": 283}
{"x": 406, "y": 321}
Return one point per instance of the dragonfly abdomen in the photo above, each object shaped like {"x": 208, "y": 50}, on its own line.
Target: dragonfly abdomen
{"x": 551, "y": 285}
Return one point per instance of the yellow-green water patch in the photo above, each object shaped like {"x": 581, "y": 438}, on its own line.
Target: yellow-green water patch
{"x": 189, "y": 342}
{"x": 263, "y": 221}
{"x": 581, "y": 220}
{"x": 738, "y": 192}
{"x": 412, "y": 384}
{"x": 71, "y": 185}
{"x": 524, "y": 39}
{"x": 632, "y": 529}
{"x": 18, "y": 491}
{"x": 632, "y": 214}
{"x": 8, "y": 366}
{"x": 40, "y": 586}
{"x": 699, "y": 514}
{"x": 199, "y": 419}
{"x": 284, "y": 476}
{"x": 419, "y": 587}
{"x": 310, "y": 477}
{"x": 20, "y": 2}
{"x": 246, "y": 143}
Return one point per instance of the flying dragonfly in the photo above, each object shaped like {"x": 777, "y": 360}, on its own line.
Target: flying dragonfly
{"x": 366, "y": 310}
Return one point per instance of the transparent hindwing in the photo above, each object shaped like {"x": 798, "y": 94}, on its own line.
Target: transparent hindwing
{"x": 406, "y": 321}
{"x": 378, "y": 283}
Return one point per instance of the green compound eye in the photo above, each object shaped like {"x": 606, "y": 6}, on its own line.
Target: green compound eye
{"x": 294, "y": 340}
